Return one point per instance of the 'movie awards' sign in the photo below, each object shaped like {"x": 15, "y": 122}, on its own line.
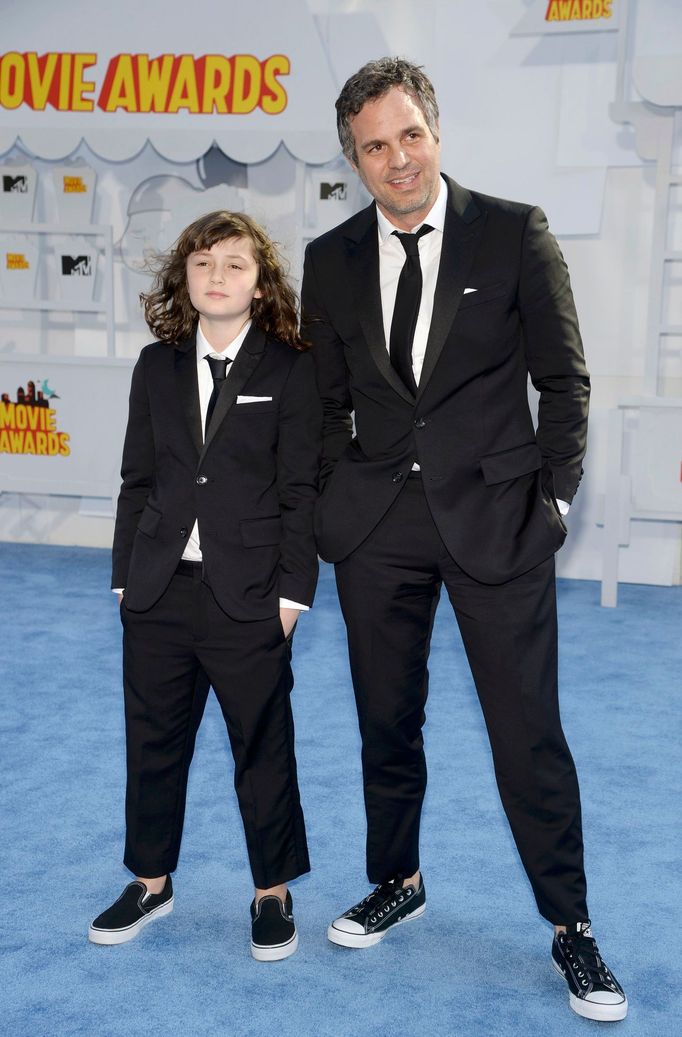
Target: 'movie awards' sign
{"x": 137, "y": 83}
{"x": 149, "y": 71}
{"x": 62, "y": 424}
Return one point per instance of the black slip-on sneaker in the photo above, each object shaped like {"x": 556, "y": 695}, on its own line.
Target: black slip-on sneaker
{"x": 594, "y": 992}
{"x": 134, "y": 909}
{"x": 273, "y": 930}
{"x": 367, "y": 923}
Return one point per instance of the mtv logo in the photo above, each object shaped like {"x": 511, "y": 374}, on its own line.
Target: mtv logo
{"x": 15, "y": 184}
{"x": 333, "y": 192}
{"x": 76, "y": 266}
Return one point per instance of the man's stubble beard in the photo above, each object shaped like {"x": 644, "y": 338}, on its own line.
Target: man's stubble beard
{"x": 392, "y": 206}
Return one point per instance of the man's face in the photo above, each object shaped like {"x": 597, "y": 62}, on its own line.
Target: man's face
{"x": 398, "y": 158}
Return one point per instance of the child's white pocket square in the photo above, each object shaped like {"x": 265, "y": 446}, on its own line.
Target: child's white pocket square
{"x": 254, "y": 399}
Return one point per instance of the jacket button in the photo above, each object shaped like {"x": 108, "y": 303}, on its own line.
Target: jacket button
{"x": 420, "y": 423}
{"x": 397, "y": 477}
{"x": 183, "y": 532}
{"x": 201, "y": 479}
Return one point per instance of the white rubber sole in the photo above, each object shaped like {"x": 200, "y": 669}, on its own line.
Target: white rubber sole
{"x": 278, "y": 953}
{"x": 110, "y": 937}
{"x": 359, "y": 940}
{"x": 593, "y": 1009}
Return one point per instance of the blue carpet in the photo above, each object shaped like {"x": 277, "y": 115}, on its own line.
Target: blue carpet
{"x": 476, "y": 964}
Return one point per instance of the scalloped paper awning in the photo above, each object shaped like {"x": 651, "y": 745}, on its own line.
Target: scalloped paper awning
{"x": 246, "y": 77}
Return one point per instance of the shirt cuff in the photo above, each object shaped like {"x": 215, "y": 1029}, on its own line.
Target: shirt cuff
{"x": 117, "y": 590}
{"x": 564, "y": 506}
{"x": 284, "y": 603}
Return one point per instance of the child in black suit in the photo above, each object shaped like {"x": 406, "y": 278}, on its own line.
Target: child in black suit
{"x": 214, "y": 559}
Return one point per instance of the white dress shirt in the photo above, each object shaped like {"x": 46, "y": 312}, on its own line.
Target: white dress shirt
{"x": 192, "y": 552}
{"x": 391, "y": 261}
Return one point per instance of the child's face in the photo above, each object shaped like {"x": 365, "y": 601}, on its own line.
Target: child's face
{"x": 223, "y": 281}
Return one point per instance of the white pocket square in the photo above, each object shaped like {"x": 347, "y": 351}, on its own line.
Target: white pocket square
{"x": 466, "y": 290}
{"x": 254, "y": 399}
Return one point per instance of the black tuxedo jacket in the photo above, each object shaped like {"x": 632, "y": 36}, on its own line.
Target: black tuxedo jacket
{"x": 491, "y": 481}
{"x": 252, "y": 484}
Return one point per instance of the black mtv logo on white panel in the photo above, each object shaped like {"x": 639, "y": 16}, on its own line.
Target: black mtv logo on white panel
{"x": 77, "y": 266}
{"x": 333, "y": 192}
{"x": 14, "y": 184}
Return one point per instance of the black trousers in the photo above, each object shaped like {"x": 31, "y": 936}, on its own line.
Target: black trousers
{"x": 171, "y": 655}
{"x": 389, "y": 589}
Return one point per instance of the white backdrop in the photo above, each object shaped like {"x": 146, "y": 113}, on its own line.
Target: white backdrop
{"x": 522, "y": 115}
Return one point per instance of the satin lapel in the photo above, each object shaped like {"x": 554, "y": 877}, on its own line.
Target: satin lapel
{"x": 188, "y": 388}
{"x": 245, "y": 363}
{"x": 464, "y": 223}
{"x": 363, "y": 268}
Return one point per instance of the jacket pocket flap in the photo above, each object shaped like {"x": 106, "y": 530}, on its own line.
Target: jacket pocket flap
{"x": 149, "y": 521}
{"x": 262, "y": 532}
{"x": 509, "y": 464}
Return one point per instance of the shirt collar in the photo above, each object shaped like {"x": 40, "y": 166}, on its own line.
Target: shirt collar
{"x": 204, "y": 348}
{"x": 435, "y": 217}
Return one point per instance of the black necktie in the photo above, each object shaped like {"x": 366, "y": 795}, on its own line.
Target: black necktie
{"x": 406, "y": 308}
{"x": 218, "y": 367}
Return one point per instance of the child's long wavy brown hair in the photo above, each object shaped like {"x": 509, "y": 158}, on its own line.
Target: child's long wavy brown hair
{"x": 167, "y": 307}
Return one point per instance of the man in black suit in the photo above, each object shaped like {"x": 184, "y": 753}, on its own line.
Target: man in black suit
{"x": 428, "y": 311}
{"x": 214, "y": 549}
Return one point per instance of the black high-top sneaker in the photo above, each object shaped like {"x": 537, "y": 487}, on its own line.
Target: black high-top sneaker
{"x": 594, "y": 992}
{"x": 388, "y": 905}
